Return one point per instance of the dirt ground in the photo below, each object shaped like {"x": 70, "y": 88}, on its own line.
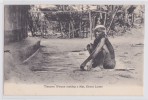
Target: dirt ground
{"x": 58, "y": 61}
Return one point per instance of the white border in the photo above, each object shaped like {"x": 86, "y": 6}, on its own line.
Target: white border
{"x": 23, "y": 2}
{"x": 1, "y": 47}
{"x": 74, "y": 2}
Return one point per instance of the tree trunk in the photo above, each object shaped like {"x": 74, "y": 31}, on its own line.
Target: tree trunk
{"x": 112, "y": 20}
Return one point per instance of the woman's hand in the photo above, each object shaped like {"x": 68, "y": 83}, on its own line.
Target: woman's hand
{"x": 82, "y": 66}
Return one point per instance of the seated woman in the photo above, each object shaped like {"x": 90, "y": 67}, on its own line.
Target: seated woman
{"x": 101, "y": 51}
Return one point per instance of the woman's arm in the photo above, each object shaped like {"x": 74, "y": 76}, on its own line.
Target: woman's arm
{"x": 94, "y": 53}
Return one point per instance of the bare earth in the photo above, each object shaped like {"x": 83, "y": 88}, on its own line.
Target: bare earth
{"x": 58, "y": 61}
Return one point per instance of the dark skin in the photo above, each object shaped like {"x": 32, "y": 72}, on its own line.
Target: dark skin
{"x": 93, "y": 55}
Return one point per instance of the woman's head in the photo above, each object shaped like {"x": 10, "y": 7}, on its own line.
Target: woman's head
{"x": 99, "y": 29}
{"x": 98, "y": 33}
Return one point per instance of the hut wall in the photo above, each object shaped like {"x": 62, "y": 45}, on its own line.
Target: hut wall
{"x": 15, "y": 22}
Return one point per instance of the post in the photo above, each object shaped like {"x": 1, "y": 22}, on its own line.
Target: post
{"x": 90, "y": 24}
{"x": 80, "y": 34}
{"x": 72, "y": 26}
{"x": 132, "y": 19}
{"x": 69, "y": 30}
{"x": 105, "y": 19}
{"x": 60, "y": 26}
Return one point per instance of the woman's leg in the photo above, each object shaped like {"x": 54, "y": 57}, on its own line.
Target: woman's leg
{"x": 108, "y": 63}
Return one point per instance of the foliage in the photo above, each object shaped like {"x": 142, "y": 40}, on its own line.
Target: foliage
{"x": 74, "y": 20}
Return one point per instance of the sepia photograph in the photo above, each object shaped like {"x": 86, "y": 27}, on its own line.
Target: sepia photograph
{"x": 77, "y": 49}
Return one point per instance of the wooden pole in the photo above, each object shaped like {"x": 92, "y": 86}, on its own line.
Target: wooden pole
{"x": 69, "y": 31}
{"x": 65, "y": 11}
{"x": 83, "y": 31}
{"x": 93, "y": 23}
{"x": 132, "y": 19}
{"x": 72, "y": 26}
{"x": 80, "y": 29}
{"x": 90, "y": 21}
{"x": 105, "y": 19}
{"x": 61, "y": 27}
